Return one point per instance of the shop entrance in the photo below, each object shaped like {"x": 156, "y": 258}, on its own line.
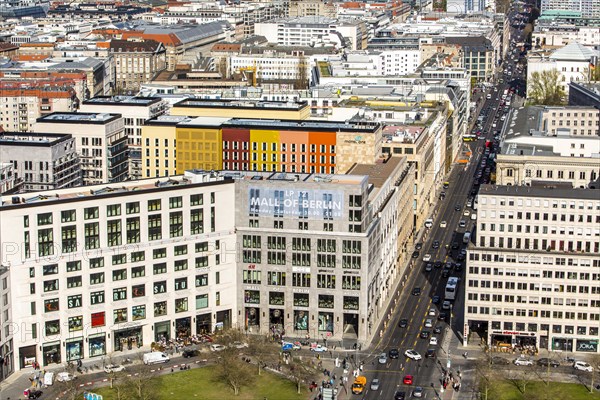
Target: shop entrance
{"x": 51, "y": 353}
{"x": 162, "y": 331}
{"x": 27, "y": 356}
{"x": 203, "y": 325}
{"x": 501, "y": 343}
{"x": 127, "y": 339}
{"x": 74, "y": 349}
{"x": 252, "y": 319}
{"x": 224, "y": 319}
{"x": 183, "y": 327}
{"x": 97, "y": 344}
{"x": 350, "y": 326}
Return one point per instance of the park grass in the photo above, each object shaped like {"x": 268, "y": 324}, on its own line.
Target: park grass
{"x": 507, "y": 390}
{"x": 199, "y": 384}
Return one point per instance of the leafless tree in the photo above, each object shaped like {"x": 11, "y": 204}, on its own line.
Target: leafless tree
{"x": 231, "y": 370}
{"x": 301, "y": 372}
{"x": 261, "y": 351}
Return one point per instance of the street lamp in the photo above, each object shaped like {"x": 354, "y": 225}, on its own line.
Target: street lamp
{"x": 448, "y": 363}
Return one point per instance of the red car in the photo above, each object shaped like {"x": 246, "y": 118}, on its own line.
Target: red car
{"x": 408, "y": 380}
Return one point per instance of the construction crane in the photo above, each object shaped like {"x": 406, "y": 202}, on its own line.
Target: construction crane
{"x": 249, "y": 74}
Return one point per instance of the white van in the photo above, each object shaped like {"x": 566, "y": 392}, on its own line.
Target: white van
{"x": 473, "y": 216}
{"x": 155, "y": 358}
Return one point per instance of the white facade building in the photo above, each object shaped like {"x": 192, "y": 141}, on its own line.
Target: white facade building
{"x": 100, "y": 141}
{"x": 533, "y": 274}
{"x": 135, "y": 111}
{"x": 102, "y": 269}
{"x": 572, "y": 63}
{"x": 588, "y": 8}
{"x": 550, "y": 144}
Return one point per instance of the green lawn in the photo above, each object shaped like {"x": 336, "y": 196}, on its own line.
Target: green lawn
{"x": 507, "y": 390}
{"x": 198, "y": 384}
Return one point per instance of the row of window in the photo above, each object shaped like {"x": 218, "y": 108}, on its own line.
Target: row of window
{"x": 537, "y": 203}
{"x": 301, "y": 300}
{"x": 323, "y": 281}
{"x": 537, "y": 244}
{"x": 536, "y": 273}
{"x": 530, "y": 259}
{"x": 524, "y": 299}
{"x": 534, "y": 327}
{"x": 534, "y": 287}
{"x": 114, "y": 210}
{"x": 114, "y": 232}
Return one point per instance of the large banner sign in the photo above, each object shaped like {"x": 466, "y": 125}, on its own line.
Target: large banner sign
{"x": 313, "y": 204}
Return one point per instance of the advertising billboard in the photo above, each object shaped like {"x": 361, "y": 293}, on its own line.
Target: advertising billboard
{"x": 311, "y": 204}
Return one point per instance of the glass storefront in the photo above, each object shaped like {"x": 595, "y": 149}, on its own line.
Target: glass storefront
{"x": 162, "y": 331}
{"x": 74, "y": 348}
{"x": 127, "y": 339}
{"x": 301, "y": 320}
{"x": 203, "y": 324}
{"x": 51, "y": 353}
{"x": 224, "y": 319}
{"x": 183, "y": 327}
{"x": 326, "y": 322}
{"x": 252, "y": 317}
{"x": 97, "y": 344}
{"x": 587, "y": 345}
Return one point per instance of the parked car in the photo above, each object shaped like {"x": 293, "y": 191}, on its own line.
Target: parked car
{"x": 319, "y": 348}
{"x": 496, "y": 360}
{"x": 582, "y": 366}
{"x": 188, "y": 353}
{"x": 412, "y": 354}
{"x": 522, "y": 361}
{"x": 110, "y": 368}
{"x": 437, "y": 330}
{"x": 399, "y": 395}
{"x": 64, "y": 377}
{"x": 217, "y": 347}
{"x": 545, "y": 362}
{"x": 446, "y": 305}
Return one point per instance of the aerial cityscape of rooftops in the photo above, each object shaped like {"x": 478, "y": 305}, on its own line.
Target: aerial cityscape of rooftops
{"x": 300, "y": 199}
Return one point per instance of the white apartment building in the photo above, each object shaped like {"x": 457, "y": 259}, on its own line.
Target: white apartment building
{"x": 135, "y": 110}
{"x": 375, "y": 63}
{"x": 588, "y": 8}
{"x": 548, "y": 35}
{"x": 112, "y": 268}
{"x": 533, "y": 273}
{"x": 550, "y": 144}
{"x": 572, "y": 63}
{"x": 100, "y": 141}
{"x": 314, "y": 31}
{"x": 41, "y": 161}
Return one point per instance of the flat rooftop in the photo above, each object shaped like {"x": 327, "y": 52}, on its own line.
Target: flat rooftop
{"x": 256, "y": 176}
{"x": 323, "y": 126}
{"x": 135, "y": 101}
{"x": 168, "y": 120}
{"x": 379, "y": 172}
{"x": 77, "y": 117}
{"x": 549, "y": 191}
{"x": 243, "y": 104}
{"x": 32, "y": 139}
{"x": 83, "y": 193}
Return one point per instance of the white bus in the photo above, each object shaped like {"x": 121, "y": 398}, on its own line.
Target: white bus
{"x": 451, "y": 288}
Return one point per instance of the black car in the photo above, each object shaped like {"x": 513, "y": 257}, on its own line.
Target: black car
{"x": 400, "y": 395}
{"x": 496, "y": 360}
{"x": 445, "y": 273}
{"x": 418, "y": 246}
{"x": 460, "y": 257}
{"x": 455, "y": 245}
{"x": 448, "y": 265}
{"x": 424, "y": 334}
{"x": 394, "y": 353}
{"x": 437, "y": 330}
{"x": 442, "y": 316}
{"x": 187, "y": 353}
{"x": 403, "y": 323}
{"x": 416, "y": 291}
{"x": 415, "y": 254}
{"x": 458, "y": 267}
{"x": 437, "y": 264}
{"x": 430, "y": 353}
{"x": 544, "y": 362}
{"x": 457, "y": 207}
{"x": 435, "y": 299}
{"x": 436, "y": 244}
